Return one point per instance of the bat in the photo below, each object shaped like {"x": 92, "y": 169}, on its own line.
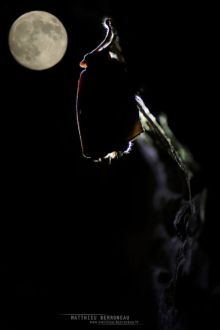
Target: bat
{"x": 107, "y": 112}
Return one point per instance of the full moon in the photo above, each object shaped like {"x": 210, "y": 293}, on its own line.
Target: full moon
{"x": 38, "y": 40}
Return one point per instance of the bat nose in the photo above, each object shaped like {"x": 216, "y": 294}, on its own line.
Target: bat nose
{"x": 83, "y": 64}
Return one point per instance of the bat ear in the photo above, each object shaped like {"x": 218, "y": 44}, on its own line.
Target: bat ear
{"x": 107, "y": 115}
{"x": 110, "y": 33}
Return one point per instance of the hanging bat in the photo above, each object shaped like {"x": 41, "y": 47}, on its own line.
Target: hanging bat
{"x": 107, "y": 113}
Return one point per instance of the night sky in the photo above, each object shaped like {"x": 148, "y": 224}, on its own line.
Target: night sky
{"x": 69, "y": 227}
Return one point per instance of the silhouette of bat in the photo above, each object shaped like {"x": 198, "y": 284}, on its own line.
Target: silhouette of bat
{"x": 107, "y": 113}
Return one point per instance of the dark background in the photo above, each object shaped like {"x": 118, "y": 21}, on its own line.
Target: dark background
{"x": 65, "y": 220}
